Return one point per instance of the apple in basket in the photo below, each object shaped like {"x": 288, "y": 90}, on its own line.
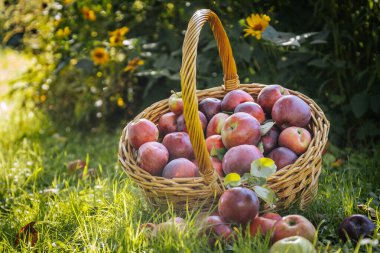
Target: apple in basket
{"x": 253, "y": 109}
{"x": 233, "y": 99}
{"x": 141, "y": 131}
{"x": 291, "y": 225}
{"x": 178, "y": 145}
{"x": 269, "y": 95}
{"x": 270, "y": 139}
{"x": 216, "y": 123}
{"x": 179, "y": 168}
{"x": 238, "y": 159}
{"x": 175, "y": 103}
{"x": 296, "y": 139}
{"x": 153, "y": 157}
{"x": 215, "y": 146}
{"x": 282, "y": 157}
{"x": 290, "y": 110}
{"x": 210, "y": 107}
{"x": 181, "y": 123}
{"x": 167, "y": 123}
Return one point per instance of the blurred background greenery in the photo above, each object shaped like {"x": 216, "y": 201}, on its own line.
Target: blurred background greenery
{"x": 96, "y": 64}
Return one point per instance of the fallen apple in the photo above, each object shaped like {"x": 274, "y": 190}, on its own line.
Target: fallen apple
{"x": 291, "y": 225}
{"x": 293, "y": 244}
{"x": 356, "y": 226}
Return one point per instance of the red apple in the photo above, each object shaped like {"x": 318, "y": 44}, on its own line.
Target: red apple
{"x": 239, "y": 205}
{"x": 217, "y": 165}
{"x": 180, "y": 168}
{"x": 76, "y": 165}
{"x": 181, "y": 123}
{"x": 269, "y": 95}
{"x": 293, "y": 244}
{"x": 240, "y": 128}
{"x": 141, "y": 131}
{"x": 210, "y": 107}
{"x": 261, "y": 226}
{"x": 270, "y": 139}
{"x": 216, "y": 123}
{"x": 289, "y": 111}
{"x": 234, "y": 98}
{"x": 296, "y": 139}
{"x": 153, "y": 157}
{"x": 282, "y": 157}
{"x": 175, "y": 103}
{"x": 167, "y": 123}
{"x": 272, "y": 216}
{"x": 178, "y": 145}
{"x": 215, "y": 226}
{"x": 253, "y": 109}
{"x": 291, "y": 225}
{"x": 238, "y": 159}
{"x": 215, "y": 145}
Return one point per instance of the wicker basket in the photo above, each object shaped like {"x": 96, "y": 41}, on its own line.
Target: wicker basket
{"x": 295, "y": 183}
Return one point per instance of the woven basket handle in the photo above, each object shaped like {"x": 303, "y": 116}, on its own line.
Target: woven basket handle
{"x": 188, "y": 85}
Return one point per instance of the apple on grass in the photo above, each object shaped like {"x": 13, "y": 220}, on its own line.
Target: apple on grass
{"x": 293, "y": 244}
{"x": 153, "y": 157}
{"x": 291, "y": 110}
{"x": 240, "y": 128}
{"x": 141, "y": 131}
{"x": 269, "y": 95}
{"x": 216, "y": 123}
{"x": 291, "y": 225}
{"x": 356, "y": 226}
{"x": 296, "y": 139}
{"x": 210, "y": 107}
{"x": 215, "y": 227}
{"x": 233, "y": 99}
{"x": 264, "y": 224}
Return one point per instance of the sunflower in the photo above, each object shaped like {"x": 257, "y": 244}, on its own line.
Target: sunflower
{"x": 256, "y": 24}
{"x": 117, "y": 37}
{"x": 133, "y": 64}
{"x": 99, "y": 55}
{"x": 88, "y": 14}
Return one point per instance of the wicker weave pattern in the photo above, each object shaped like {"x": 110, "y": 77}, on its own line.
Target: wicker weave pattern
{"x": 297, "y": 182}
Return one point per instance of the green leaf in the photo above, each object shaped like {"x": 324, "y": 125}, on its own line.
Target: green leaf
{"x": 263, "y": 167}
{"x": 266, "y": 194}
{"x": 260, "y": 146}
{"x": 232, "y": 180}
{"x": 264, "y": 129}
{"x": 359, "y": 104}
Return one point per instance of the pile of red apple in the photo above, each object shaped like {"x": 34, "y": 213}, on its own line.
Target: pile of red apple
{"x": 233, "y": 128}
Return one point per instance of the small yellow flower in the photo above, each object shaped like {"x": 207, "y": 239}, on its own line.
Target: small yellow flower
{"x": 62, "y": 33}
{"x": 88, "y": 14}
{"x": 120, "y": 32}
{"x": 116, "y": 40}
{"x": 99, "y": 55}
{"x": 117, "y": 37}
{"x": 67, "y": 2}
{"x": 256, "y": 24}
{"x": 120, "y": 102}
{"x": 43, "y": 98}
{"x": 133, "y": 64}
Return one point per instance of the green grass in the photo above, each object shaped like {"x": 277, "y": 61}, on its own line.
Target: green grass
{"x": 104, "y": 214}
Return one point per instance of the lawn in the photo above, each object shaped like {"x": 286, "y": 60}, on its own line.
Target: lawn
{"x": 103, "y": 213}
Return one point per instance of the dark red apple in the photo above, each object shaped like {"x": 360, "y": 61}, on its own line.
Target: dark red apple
{"x": 269, "y": 95}
{"x": 234, "y": 98}
{"x": 167, "y": 123}
{"x": 141, "y": 131}
{"x": 238, "y": 159}
{"x": 210, "y": 107}
{"x": 75, "y": 165}
{"x": 175, "y": 103}
{"x": 272, "y": 216}
{"x": 290, "y": 111}
{"x": 296, "y": 139}
{"x": 178, "y": 145}
{"x": 238, "y": 205}
{"x": 180, "y": 168}
{"x": 217, "y": 165}
{"x": 253, "y": 109}
{"x": 261, "y": 226}
{"x": 270, "y": 139}
{"x": 153, "y": 157}
{"x": 282, "y": 157}
{"x": 215, "y": 226}
{"x": 181, "y": 123}
{"x": 355, "y": 227}
{"x": 240, "y": 128}
{"x": 291, "y": 225}
{"x": 216, "y": 123}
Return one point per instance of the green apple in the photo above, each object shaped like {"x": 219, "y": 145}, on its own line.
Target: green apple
{"x": 293, "y": 244}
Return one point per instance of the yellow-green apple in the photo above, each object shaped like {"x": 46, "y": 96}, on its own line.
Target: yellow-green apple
{"x": 293, "y": 224}
{"x": 180, "y": 168}
{"x": 181, "y": 123}
{"x": 216, "y": 123}
{"x": 253, "y": 109}
{"x": 175, "y": 103}
{"x": 296, "y": 139}
{"x": 282, "y": 157}
{"x": 178, "y": 145}
{"x": 270, "y": 139}
{"x": 269, "y": 95}
{"x": 215, "y": 145}
{"x": 153, "y": 157}
{"x": 167, "y": 123}
{"x": 234, "y": 98}
{"x": 239, "y": 205}
{"x": 172, "y": 226}
{"x": 289, "y": 111}
{"x": 238, "y": 159}
{"x": 240, "y": 128}
{"x": 355, "y": 227}
{"x": 293, "y": 244}
{"x": 141, "y": 131}
{"x": 210, "y": 107}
